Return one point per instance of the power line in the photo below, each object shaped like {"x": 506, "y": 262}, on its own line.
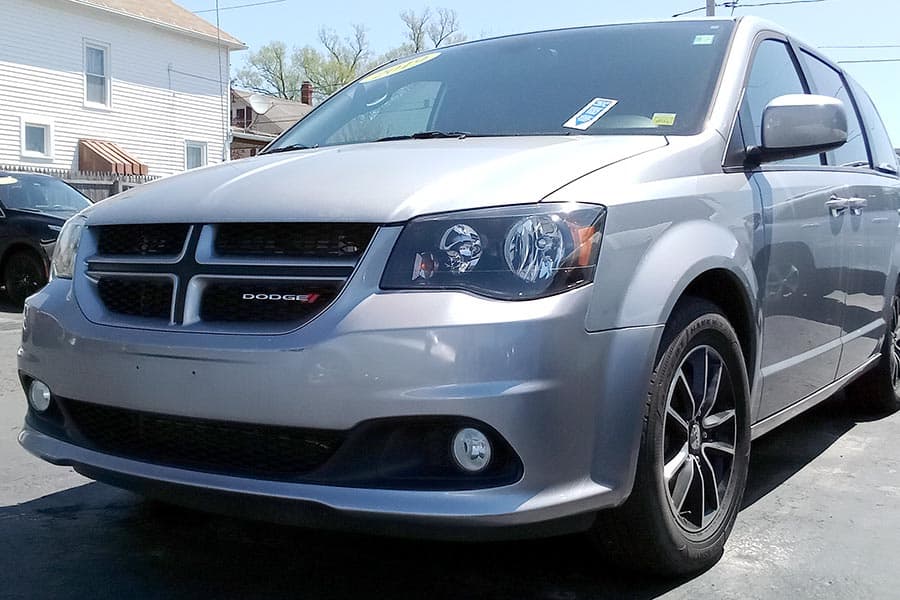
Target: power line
{"x": 729, "y": 4}
{"x": 236, "y": 6}
{"x": 185, "y": 73}
{"x": 733, "y": 4}
{"x": 687, "y": 12}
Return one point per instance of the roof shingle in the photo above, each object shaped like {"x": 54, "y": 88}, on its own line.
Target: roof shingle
{"x": 165, "y": 13}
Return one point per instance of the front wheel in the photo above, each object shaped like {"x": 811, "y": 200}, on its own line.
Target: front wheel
{"x": 879, "y": 388}
{"x": 694, "y": 455}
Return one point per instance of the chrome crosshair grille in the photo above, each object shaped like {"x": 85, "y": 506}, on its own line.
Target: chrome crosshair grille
{"x": 270, "y": 276}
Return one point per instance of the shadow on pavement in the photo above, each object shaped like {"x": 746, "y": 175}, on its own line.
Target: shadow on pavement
{"x": 98, "y": 542}
{"x": 780, "y": 454}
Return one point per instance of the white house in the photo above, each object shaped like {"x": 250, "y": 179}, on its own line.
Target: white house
{"x": 129, "y": 86}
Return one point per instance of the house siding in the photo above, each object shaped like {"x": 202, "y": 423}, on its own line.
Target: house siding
{"x": 165, "y": 87}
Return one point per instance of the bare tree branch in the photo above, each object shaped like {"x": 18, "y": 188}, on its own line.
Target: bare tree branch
{"x": 416, "y": 29}
{"x": 445, "y": 30}
{"x": 275, "y": 70}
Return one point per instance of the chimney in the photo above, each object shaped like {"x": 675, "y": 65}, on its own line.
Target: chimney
{"x": 306, "y": 93}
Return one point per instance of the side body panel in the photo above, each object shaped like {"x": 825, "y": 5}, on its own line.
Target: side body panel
{"x": 800, "y": 265}
{"x": 871, "y": 237}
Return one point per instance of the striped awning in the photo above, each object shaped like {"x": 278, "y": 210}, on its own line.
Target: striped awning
{"x": 107, "y": 157}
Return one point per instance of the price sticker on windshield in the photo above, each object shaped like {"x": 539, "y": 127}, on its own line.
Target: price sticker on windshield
{"x": 590, "y": 114}
{"x": 400, "y": 67}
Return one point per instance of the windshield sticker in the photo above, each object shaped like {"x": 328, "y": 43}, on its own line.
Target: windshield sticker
{"x": 667, "y": 119}
{"x": 8, "y": 180}
{"x": 589, "y": 115}
{"x": 400, "y": 67}
{"x": 704, "y": 40}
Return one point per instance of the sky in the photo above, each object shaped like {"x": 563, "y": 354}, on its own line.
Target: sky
{"x": 822, "y": 24}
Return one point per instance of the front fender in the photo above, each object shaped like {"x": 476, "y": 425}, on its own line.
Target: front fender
{"x": 658, "y": 266}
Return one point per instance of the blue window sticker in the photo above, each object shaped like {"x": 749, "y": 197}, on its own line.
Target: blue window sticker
{"x": 589, "y": 115}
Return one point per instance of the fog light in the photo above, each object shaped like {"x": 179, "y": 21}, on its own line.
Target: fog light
{"x": 39, "y": 396}
{"x": 471, "y": 450}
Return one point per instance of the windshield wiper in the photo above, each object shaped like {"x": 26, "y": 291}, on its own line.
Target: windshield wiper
{"x": 426, "y": 135}
{"x": 289, "y": 148}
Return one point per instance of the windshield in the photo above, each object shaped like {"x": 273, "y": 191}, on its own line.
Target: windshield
{"x": 652, "y": 78}
{"x": 35, "y": 193}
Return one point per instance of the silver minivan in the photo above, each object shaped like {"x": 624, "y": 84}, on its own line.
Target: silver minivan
{"x": 536, "y": 284}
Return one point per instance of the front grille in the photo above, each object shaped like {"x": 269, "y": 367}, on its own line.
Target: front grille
{"x": 141, "y": 240}
{"x": 137, "y": 297}
{"x": 279, "y": 302}
{"x": 261, "y": 451}
{"x": 308, "y": 240}
{"x": 273, "y": 277}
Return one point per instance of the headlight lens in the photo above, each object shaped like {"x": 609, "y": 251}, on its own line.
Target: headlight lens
{"x": 510, "y": 253}
{"x": 63, "y": 263}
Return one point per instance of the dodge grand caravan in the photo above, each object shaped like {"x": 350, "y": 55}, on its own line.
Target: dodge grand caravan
{"x": 542, "y": 283}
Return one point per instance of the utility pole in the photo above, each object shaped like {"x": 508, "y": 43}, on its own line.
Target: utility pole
{"x": 710, "y": 8}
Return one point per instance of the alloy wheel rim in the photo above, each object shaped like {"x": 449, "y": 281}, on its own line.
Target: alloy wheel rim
{"x": 699, "y": 438}
{"x": 895, "y": 343}
{"x": 24, "y": 280}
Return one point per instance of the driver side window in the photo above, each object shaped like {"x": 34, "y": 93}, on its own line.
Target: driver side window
{"x": 774, "y": 73}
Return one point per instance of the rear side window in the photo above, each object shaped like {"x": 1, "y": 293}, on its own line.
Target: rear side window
{"x": 883, "y": 156}
{"x": 827, "y": 82}
{"x": 773, "y": 74}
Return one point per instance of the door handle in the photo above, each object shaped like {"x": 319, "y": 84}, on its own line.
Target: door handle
{"x": 857, "y": 205}
{"x": 836, "y": 206}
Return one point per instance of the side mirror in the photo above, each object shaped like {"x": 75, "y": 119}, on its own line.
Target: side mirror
{"x": 800, "y": 125}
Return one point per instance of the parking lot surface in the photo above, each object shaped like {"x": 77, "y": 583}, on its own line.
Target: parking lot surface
{"x": 821, "y": 519}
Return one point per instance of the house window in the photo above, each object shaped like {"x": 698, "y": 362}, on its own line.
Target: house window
{"x": 96, "y": 73}
{"x": 36, "y": 138}
{"x": 194, "y": 155}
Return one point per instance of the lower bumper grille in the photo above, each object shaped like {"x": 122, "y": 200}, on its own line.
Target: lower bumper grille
{"x": 281, "y": 453}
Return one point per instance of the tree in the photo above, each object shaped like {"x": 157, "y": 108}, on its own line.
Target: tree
{"x": 274, "y": 70}
{"x": 271, "y": 71}
{"x": 341, "y": 62}
{"x": 425, "y": 31}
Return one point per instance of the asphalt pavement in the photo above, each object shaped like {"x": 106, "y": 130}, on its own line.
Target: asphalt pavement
{"x": 821, "y": 520}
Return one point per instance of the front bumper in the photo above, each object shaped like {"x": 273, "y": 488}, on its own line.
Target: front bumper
{"x": 569, "y": 403}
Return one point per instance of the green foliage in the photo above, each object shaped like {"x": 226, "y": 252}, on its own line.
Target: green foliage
{"x": 276, "y": 71}
{"x": 271, "y": 70}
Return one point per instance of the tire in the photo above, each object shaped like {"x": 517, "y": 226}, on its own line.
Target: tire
{"x": 23, "y": 275}
{"x": 648, "y": 533}
{"x": 879, "y": 388}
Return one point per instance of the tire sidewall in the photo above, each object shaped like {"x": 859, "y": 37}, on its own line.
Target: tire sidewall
{"x": 888, "y": 395}
{"x": 701, "y": 324}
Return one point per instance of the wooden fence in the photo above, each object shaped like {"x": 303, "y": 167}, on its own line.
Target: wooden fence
{"x": 95, "y": 185}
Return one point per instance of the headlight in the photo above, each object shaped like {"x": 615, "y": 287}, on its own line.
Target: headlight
{"x": 63, "y": 263}
{"x": 510, "y": 253}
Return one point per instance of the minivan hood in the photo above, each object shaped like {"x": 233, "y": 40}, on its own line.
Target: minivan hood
{"x": 382, "y": 182}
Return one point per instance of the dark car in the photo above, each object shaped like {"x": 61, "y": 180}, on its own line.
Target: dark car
{"x": 33, "y": 209}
